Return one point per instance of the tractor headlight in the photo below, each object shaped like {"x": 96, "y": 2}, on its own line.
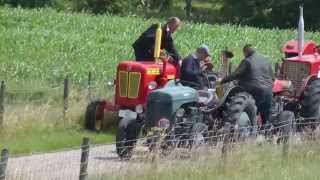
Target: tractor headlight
{"x": 152, "y": 85}
{"x": 180, "y": 112}
{"x": 164, "y": 123}
{"x": 139, "y": 108}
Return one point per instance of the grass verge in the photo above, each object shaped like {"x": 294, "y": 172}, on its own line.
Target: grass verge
{"x": 34, "y": 121}
{"x": 249, "y": 162}
{"x": 50, "y": 141}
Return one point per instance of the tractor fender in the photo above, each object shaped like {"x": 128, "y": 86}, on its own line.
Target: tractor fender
{"x": 305, "y": 82}
{"x": 233, "y": 89}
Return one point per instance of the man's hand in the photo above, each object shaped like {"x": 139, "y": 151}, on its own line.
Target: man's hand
{"x": 220, "y": 81}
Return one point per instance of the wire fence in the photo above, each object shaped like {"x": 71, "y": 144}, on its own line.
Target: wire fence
{"x": 59, "y": 97}
{"x": 102, "y": 160}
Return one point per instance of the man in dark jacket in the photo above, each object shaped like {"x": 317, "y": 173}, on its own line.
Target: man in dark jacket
{"x": 191, "y": 72}
{"x": 144, "y": 45}
{"x": 255, "y": 75}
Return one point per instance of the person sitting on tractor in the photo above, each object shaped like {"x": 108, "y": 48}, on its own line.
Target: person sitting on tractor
{"x": 191, "y": 71}
{"x": 144, "y": 45}
{"x": 255, "y": 75}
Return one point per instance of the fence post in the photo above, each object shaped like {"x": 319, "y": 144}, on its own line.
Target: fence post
{"x": 230, "y": 68}
{"x": 89, "y": 85}
{"x": 2, "y": 90}
{"x": 3, "y": 163}
{"x": 65, "y": 96}
{"x": 226, "y": 140}
{"x": 84, "y": 159}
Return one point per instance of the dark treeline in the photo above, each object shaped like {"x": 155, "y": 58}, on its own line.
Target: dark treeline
{"x": 259, "y": 13}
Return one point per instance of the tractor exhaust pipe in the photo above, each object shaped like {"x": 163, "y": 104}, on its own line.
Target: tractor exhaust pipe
{"x": 301, "y": 32}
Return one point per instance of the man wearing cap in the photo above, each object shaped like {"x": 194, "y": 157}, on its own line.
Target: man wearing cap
{"x": 144, "y": 45}
{"x": 191, "y": 72}
{"x": 255, "y": 75}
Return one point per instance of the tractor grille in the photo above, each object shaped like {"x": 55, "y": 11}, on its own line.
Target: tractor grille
{"x": 129, "y": 83}
{"x": 295, "y": 72}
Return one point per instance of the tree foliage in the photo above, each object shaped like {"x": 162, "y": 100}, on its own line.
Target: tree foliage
{"x": 261, "y": 13}
{"x": 270, "y": 13}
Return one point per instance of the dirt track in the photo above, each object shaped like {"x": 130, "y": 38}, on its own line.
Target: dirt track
{"x": 64, "y": 165}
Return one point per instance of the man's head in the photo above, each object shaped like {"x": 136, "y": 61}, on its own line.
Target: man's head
{"x": 202, "y": 52}
{"x": 248, "y": 50}
{"x": 173, "y": 23}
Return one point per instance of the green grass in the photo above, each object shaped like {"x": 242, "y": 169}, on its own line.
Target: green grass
{"x": 34, "y": 122}
{"x": 46, "y": 45}
{"x": 249, "y": 162}
{"x": 50, "y": 141}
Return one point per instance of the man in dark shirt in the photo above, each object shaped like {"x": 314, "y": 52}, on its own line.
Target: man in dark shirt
{"x": 255, "y": 75}
{"x": 144, "y": 45}
{"x": 191, "y": 72}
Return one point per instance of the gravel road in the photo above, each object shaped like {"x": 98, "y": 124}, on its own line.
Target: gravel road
{"x": 65, "y": 164}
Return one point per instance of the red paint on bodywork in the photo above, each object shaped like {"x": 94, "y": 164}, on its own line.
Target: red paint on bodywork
{"x": 142, "y": 67}
{"x": 277, "y": 86}
{"x": 292, "y": 47}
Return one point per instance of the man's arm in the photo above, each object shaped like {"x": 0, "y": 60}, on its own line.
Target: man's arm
{"x": 240, "y": 71}
{"x": 170, "y": 48}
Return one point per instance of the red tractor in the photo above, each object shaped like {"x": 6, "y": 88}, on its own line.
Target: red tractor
{"x": 134, "y": 81}
{"x": 300, "y": 76}
{"x": 299, "y": 73}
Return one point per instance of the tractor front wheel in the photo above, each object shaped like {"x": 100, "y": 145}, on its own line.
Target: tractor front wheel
{"x": 286, "y": 126}
{"x": 126, "y": 138}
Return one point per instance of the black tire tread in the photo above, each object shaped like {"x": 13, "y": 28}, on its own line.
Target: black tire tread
{"x": 90, "y": 116}
{"x": 311, "y": 100}
{"x": 238, "y": 103}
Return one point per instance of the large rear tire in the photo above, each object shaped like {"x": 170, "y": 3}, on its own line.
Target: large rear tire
{"x": 311, "y": 101}
{"x": 240, "y": 110}
{"x": 94, "y": 116}
{"x": 237, "y": 105}
{"x": 126, "y": 138}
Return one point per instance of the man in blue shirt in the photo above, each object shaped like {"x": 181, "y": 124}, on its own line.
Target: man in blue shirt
{"x": 191, "y": 72}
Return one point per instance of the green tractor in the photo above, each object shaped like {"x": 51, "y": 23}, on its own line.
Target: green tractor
{"x": 180, "y": 116}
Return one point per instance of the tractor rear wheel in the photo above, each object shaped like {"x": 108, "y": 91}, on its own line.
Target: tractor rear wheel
{"x": 94, "y": 116}
{"x": 126, "y": 138}
{"x": 240, "y": 110}
{"x": 311, "y": 101}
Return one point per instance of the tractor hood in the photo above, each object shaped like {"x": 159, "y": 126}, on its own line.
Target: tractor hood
{"x": 164, "y": 102}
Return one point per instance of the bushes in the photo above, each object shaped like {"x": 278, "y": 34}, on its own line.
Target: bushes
{"x": 93, "y": 6}
{"x": 265, "y": 13}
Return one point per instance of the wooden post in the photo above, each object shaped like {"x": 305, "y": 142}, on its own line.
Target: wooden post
{"x": 2, "y": 90}
{"x": 230, "y": 69}
{"x": 3, "y": 163}
{"x": 85, "y": 146}
{"x": 65, "y": 96}
{"x": 226, "y": 140}
{"x": 89, "y": 86}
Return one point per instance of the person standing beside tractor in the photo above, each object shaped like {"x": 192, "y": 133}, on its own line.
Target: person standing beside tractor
{"x": 255, "y": 75}
{"x": 144, "y": 45}
{"x": 191, "y": 70}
